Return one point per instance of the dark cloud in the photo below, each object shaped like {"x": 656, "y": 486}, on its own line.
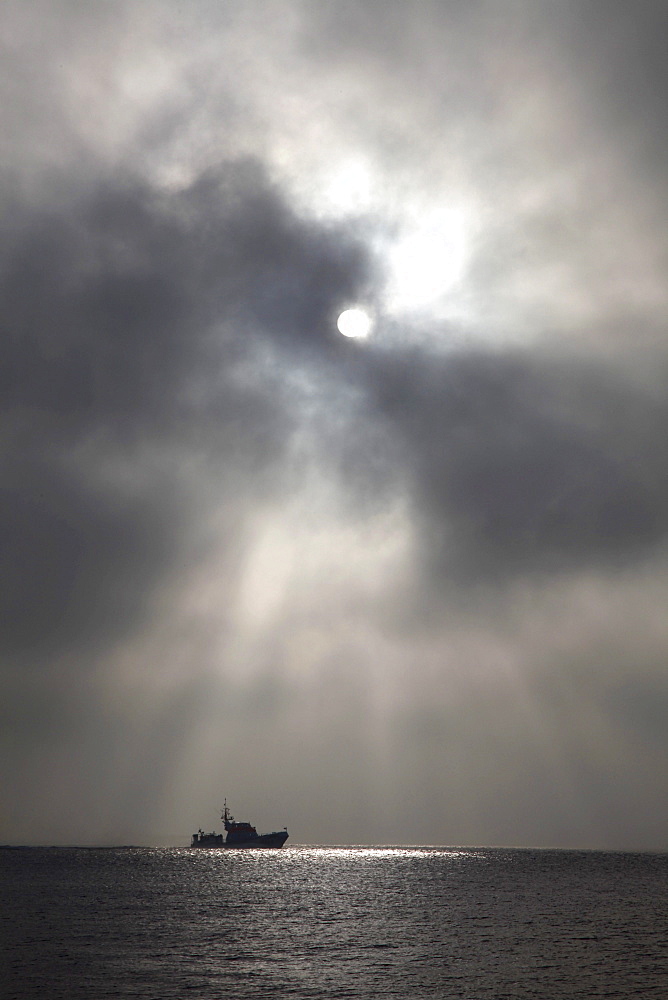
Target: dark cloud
{"x": 525, "y": 463}
{"x": 110, "y": 299}
{"x": 77, "y": 564}
{"x": 620, "y": 55}
{"x": 127, "y": 317}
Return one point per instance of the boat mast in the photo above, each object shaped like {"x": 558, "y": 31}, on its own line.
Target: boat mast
{"x": 227, "y": 817}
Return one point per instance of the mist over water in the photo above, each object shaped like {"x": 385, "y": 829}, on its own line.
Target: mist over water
{"x": 353, "y": 922}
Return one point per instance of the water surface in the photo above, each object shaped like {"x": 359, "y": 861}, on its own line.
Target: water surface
{"x": 333, "y": 922}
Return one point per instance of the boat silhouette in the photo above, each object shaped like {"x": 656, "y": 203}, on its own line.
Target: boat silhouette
{"x": 238, "y": 835}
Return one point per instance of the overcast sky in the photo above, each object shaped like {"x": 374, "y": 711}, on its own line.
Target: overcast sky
{"x": 408, "y": 588}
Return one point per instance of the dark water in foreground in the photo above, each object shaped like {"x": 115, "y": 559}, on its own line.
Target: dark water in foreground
{"x": 333, "y": 922}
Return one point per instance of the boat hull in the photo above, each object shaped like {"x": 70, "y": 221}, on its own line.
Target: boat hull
{"x": 270, "y": 840}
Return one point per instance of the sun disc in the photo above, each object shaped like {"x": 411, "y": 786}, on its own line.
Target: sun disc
{"x": 354, "y": 323}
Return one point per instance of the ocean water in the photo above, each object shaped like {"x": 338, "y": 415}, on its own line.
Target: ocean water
{"x": 315, "y": 922}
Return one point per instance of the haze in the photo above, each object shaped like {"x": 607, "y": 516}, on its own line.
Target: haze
{"x": 402, "y": 588}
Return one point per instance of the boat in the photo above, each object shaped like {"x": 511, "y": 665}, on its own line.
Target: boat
{"x": 238, "y": 835}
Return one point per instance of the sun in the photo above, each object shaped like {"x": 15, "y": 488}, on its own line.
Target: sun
{"x": 355, "y": 323}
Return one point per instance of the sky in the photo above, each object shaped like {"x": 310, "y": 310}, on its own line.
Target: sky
{"x": 407, "y": 587}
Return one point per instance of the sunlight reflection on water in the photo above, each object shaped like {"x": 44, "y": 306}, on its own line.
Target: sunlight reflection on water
{"x": 313, "y": 921}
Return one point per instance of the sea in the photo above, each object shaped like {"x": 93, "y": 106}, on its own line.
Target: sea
{"x": 344, "y": 922}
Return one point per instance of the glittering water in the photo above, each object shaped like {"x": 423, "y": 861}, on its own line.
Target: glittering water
{"x": 333, "y": 922}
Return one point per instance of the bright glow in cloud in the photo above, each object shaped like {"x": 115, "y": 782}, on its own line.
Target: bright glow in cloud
{"x": 427, "y": 261}
{"x": 349, "y": 187}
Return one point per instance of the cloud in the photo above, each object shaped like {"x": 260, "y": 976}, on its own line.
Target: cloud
{"x": 131, "y": 323}
{"x": 520, "y": 462}
{"x": 434, "y": 560}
